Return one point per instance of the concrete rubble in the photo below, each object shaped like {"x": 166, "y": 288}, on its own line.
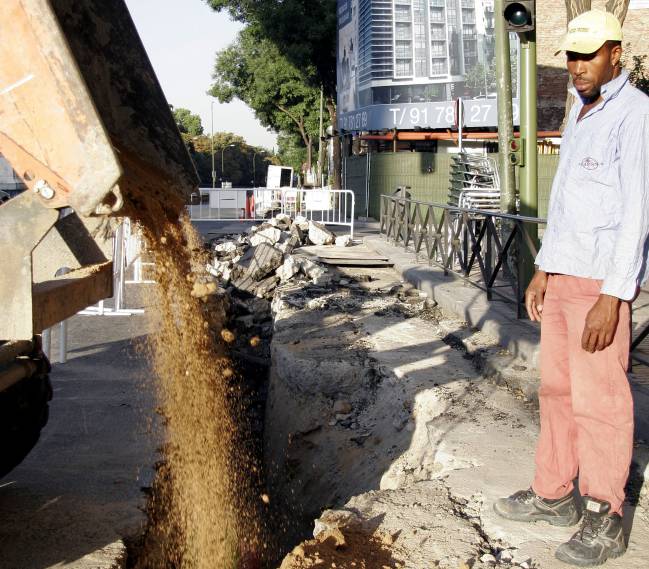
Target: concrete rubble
{"x": 380, "y": 418}
{"x": 257, "y": 262}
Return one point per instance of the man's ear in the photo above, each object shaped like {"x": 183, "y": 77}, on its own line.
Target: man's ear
{"x": 616, "y": 55}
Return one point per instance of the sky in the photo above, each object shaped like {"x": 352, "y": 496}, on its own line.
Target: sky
{"x": 181, "y": 38}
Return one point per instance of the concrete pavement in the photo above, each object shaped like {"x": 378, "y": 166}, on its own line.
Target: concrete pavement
{"x": 520, "y": 337}
{"x": 78, "y": 493}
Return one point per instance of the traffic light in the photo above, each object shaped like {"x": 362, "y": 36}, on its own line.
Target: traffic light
{"x": 519, "y": 16}
{"x": 515, "y": 152}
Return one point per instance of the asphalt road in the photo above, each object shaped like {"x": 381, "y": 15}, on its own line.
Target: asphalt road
{"x": 78, "y": 493}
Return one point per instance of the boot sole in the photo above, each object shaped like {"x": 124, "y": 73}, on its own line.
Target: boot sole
{"x": 552, "y": 520}
{"x": 611, "y": 555}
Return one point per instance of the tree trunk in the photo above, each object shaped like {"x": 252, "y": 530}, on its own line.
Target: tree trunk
{"x": 573, "y": 9}
{"x": 309, "y": 153}
{"x": 336, "y": 182}
{"x": 618, "y": 8}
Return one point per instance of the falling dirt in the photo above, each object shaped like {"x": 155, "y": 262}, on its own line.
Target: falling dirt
{"x": 205, "y": 507}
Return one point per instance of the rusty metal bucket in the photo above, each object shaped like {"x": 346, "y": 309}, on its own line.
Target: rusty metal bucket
{"x": 85, "y": 124}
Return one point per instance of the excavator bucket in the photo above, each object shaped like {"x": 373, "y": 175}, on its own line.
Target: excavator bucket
{"x": 85, "y": 124}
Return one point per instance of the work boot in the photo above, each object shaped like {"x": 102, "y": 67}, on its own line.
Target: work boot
{"x": 600, "y": 537}
{"x": 526, "y": 506}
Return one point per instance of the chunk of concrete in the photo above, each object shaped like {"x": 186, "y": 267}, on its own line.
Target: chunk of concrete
{"x": 344, "y": 241}
{"x": 266, "y": 286}
{"x": 301, "y": 222}
{"x": 227, "y": 247}
{"x": 281, "y": 220}
{"x": 259, "y": 261}
{"x": 289, "y": 269}
{"x": 319, "y": 234}
{"x": 268, "y": 235}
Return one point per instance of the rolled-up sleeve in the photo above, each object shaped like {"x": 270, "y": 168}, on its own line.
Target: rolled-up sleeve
{"x": 623, "y": 274}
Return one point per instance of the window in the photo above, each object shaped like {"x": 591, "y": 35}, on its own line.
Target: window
{"x": 403, "y": 31}
{"x": 402, "y": 13}
{"x": 404, "y": 68}
{"x": 403, "y": 49}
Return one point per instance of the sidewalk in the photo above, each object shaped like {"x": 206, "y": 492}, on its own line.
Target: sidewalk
{"x": 376, "y": 414}
{"x": 497, "y": 318}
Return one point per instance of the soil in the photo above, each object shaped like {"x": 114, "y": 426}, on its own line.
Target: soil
{"x": 344, "y": 549}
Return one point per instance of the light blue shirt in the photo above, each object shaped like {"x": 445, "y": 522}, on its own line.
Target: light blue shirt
{"x": 598, "y": 217}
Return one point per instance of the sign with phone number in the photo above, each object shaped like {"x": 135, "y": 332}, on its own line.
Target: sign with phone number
{"x": 477, "y": 113}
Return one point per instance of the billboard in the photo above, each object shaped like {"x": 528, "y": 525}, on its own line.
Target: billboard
{"x": 402, "y": 64}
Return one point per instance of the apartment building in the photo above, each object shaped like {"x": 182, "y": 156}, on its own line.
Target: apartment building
{"x": 421, "y": 50}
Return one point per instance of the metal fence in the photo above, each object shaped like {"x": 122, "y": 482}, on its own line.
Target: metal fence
{"x": 483, "y": 247}
{"x": 331, "y": 207}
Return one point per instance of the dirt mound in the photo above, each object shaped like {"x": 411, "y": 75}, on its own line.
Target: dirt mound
{"x": 344, "y": 548}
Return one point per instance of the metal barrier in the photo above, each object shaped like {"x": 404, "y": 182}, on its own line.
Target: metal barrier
{"x": 330, "y": 207}
{"x": 127, "y": 253}
{"x": 127, "y": 250}
{"x": 483, "y": 247}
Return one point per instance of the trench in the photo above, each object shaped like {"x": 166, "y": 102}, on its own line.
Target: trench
{"x": 256, "y": 500}
{"x": 235, "y": 331}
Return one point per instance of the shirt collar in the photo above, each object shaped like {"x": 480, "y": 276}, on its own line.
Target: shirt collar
{"x": 610, "y": 89}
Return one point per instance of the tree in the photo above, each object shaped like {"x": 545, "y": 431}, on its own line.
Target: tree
{"x": 253, "y": 70}
{"x": 290, "y": 150}
{"x": 237, "y": 160}
{"x": 304, "y": 31}
{"x": 187, "y": 122}
{"x": 638, "y": 75}
{"x": 481, "y": 79}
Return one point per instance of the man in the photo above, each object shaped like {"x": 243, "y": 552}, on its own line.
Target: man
{"x": 590, "y": 266}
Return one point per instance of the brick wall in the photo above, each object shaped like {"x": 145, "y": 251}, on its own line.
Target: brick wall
{"x": 553, "y": 77}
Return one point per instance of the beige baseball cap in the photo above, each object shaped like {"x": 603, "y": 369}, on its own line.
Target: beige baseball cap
{"x": 589, "y": 31}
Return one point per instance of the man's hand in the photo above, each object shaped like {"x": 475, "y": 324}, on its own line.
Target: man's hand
{"x": 601, "y": 323}
{"x": 534, "y": 295}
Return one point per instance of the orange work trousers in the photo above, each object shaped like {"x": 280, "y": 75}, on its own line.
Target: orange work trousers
{"x": 585, "y": 399}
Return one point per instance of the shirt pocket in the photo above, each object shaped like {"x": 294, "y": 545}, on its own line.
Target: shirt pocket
{"x": 593, "y": 193}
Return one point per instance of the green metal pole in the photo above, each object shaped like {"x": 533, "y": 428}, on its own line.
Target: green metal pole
{"x": 505, "y": 114}
{"x": 529, "y": 171}
{"x": 529, "y": 127}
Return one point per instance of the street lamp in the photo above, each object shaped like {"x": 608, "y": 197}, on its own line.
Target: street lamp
{"x": 222, "y": 152}
{"x": 212, "y": 142}
{"x": 254, "y": 177}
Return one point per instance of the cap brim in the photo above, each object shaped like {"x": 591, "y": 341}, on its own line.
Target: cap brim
{"x": 572, "y": 42}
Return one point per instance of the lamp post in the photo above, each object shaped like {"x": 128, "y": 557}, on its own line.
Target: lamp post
{"x": 254, "y": 171}
{"x": 212, "y": 144}
{"x": 223, "y": 152}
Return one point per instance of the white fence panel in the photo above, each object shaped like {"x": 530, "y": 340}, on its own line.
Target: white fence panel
{"x": 331, "y": 207}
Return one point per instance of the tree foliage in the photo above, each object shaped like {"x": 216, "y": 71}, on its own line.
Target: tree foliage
{"x": 304, "y": 31}
{"x": 188, "y": 123}
{"x": 253, "y": 70}
{"x": 638, "y": 75}
{"x": 291, "y": 151}
{"x": 238, "y": 165}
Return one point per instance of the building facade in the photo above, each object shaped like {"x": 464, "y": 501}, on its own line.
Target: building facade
{"x": 402, "y": 55}
{"x": 423, "y": 50}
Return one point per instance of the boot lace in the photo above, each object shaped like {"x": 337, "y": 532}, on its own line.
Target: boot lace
{"x": 591, "y": 525}
{"x": 524, "y": 496}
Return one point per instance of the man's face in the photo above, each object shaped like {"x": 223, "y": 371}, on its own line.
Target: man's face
{"x": 590, "y": 71}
